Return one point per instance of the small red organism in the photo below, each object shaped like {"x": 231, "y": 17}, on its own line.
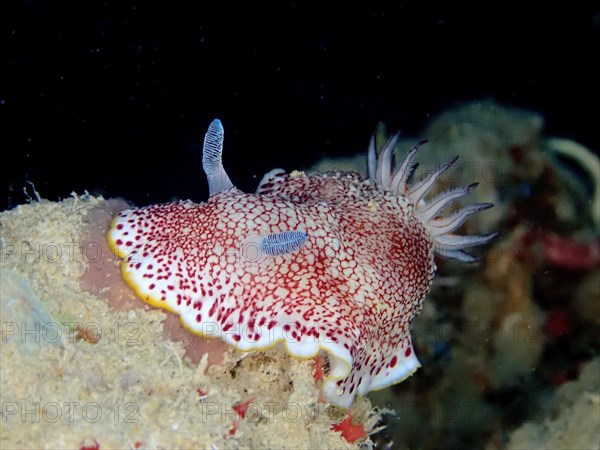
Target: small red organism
{"x": 234, "y": 428}
{"x": 138, "y": 444}
{"x": 241, "y": 408}
{"x": 516, "y": 154}
{"x": 89, "y": 334}
{"x": 567, "y": 253}
{"x": 480, "y": 381}
{"x": 558, "y": 323}
{"x": 350, "y": 431}
{"x": 318, "y": 374}
{"x": 202, "y": 394}
{"x": 89, "y": 446}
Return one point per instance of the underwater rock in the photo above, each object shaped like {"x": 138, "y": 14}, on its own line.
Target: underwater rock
{"x": 117, "y": 381}
{"x": 572, "y": 422}
{"x": 25, "y": 318}
{"x": 586, "y": 302}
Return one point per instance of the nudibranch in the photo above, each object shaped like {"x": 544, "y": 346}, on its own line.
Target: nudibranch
{"x": 325, "y": 262}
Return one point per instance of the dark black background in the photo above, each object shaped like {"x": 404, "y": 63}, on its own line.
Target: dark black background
{"x": 115, "y": 96}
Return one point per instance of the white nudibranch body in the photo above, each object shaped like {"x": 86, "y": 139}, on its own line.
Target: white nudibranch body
{"x": 344, "y": 263}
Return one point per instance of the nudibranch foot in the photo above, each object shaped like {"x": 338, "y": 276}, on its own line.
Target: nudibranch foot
{"x": 314, "y": 263}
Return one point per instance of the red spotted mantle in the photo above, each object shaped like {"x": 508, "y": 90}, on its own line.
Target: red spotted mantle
{"x": 350, "y": 290}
